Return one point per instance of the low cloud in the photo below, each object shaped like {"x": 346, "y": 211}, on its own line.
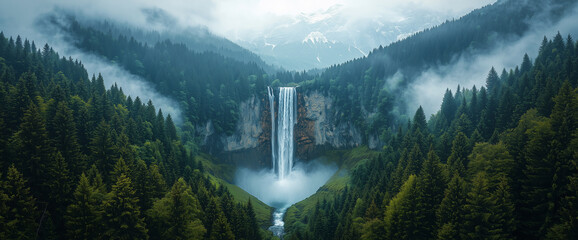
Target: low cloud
{"x": 35, "y": 28}
{"x": 231, "y": 18}
{"x": 304, "y": 180}
{"x": 428, "y": 89}
{"x": 131, "y": 85}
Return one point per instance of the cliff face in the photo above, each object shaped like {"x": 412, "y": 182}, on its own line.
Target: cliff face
{"x": 322, "y": 125}
{"x": 250, "y": 144}
{"x": 248, "y": 127}
{"x": 317, "y": 129}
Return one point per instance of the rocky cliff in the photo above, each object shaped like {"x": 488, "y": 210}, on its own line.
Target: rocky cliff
{"x": 317, "y": 129}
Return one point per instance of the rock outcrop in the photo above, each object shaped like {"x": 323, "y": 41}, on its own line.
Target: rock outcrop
{"x": 249, "y": 127}
{"x": 318, "y": 128}
{"x": 326, "y": 130}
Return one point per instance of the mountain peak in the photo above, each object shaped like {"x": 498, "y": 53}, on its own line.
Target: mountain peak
{"x": 315, "y": 37}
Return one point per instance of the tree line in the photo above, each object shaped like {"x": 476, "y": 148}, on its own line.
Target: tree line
{"x": 81, "y": 161}
{"x": 498, "y": 162}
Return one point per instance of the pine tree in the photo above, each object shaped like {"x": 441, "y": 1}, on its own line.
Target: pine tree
{"x": 103, "y": 149}
{"x": 494, "y": 159}
{"x": 414, "y": 162}
{"x": 449, "y": 106}
{"x": 419, "y": 121}
{"x": 84, "y": 215}
{"x": 567, "y": 228}
{"x": 537, "y": 183}
{"x": 479, "y": 208}
{"x": 97, "y": 182}
{"x": 176, "y": 216}
{"x": 20, "y": 207}
{"x": 526, "y": 64}
{"x": 221, "y": 230}
{"x": 565, "y": 114}
{"x": 122, "y": 216}
{"x": 252, "y": 226}
{"x": 503, "y": 219}
{"x": 120, "y": 168}
{"x": 451, "y": 213}
{"x": 492, "y": 82}
{"x": 59, "y": 185}
{"x": 400, "y": 215}
{"x": 171, "y": 129}
{"x": 474, "y": 108}
{"x": 430, "y": 187}
{"x": 65, "y": 138}
{"x": 32, "y": 147}
{"x": 458, "y": 157}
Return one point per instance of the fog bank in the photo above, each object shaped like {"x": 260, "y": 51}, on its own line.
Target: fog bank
{"x": 304, "y": 180}
{"x": 470, "y": 69}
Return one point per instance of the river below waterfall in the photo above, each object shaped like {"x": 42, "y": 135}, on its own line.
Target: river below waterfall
{"x": 278, "y": 227}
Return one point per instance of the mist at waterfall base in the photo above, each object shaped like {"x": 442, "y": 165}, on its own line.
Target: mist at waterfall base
{"x": 303, "y": 181}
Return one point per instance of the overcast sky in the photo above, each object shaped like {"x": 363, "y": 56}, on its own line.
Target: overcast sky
{"x": 229, "y": 18}
{"x": 234, "y": 19}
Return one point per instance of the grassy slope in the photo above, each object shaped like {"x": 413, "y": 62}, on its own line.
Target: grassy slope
{"x": 222, "y": 174}
{"x": 347, "y": 160}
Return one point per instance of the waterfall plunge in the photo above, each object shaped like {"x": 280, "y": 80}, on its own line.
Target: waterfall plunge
{"x": 283, "y": 150}
{"x": 289, "y": 181}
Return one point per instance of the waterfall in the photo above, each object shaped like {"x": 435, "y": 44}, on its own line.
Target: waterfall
{"x": 286, "y": 120}
{"x": 282, "y": 143}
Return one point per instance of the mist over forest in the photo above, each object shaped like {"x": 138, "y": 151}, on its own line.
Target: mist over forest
{"x": 252, "y": 119}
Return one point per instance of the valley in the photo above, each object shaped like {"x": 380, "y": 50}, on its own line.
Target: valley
{"x": 336, "y": 125}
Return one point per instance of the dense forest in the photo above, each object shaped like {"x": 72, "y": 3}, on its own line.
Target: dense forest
{"x": 197, "y": 39}
{"x": 498, "y": 162}
{"x": 79, "y": 161}
{"x": 362, "y": 87}
{"x": 207, "y": 85}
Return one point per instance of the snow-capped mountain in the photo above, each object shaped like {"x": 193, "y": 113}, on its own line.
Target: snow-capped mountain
{"x": 324, "y": 38}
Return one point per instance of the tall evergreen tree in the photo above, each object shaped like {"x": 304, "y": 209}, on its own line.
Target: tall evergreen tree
{"x": 221, "y": 230}
{"x": 430, "y": 188}
{"x": 458, "y": 157}
{"x": 252, "y": 226}
{"x": 103, "y": 149}
{"x": 449, "y": 106}
{"x": 84, "y": 215}
{"x": 537, "y": 183}
{"x": 65, "y": 138}
{"x": 122, "y": 217}
{"x": 176, "y": 216}
{"x": 492, "y": 82}
{"x": 400, "y": 215}
{"x": 20, "y": 212}
{"x": 451, "y": 213}
{"x": 33, "y": 148}
{"x": 419, "y": 121}
{"x": 494, "y": 159}
{"x": 503, "y": 218}
{"x": 479, "y": 208}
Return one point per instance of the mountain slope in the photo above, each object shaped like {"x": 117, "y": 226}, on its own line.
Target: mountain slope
{"x": 78, "y": 160}
{"x": 498, "y": 162}
{"x": 327, "y": 37}
{"x": 207, "y": 85}
{"x": 197, "y": 39}
{"x": 371, "y": 91}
